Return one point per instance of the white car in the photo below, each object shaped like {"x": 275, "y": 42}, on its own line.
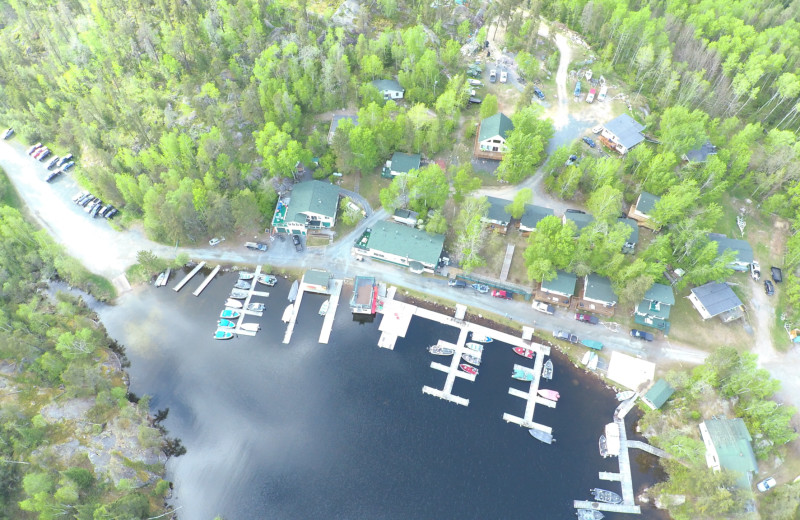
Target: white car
{"x": 503, "y": 77}
{"x": 214, "y": 241}
{"x": 766, "y": 484}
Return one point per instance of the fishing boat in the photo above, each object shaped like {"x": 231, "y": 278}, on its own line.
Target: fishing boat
{"x": 592, "y": 344}
{"x": 549, "y": 394}
{"x": 226, "y": 324}
{"x": 287, "y": 313}
{"x": 256, "y": 307}
{"x": 547, "y": 369}
{"x": 160, "y": 279}
{"x": 166, "y": 276}
{"x": 230, "y": 314}
{"x": 483, "y": 289}
{"x": 543, "y": 436}
{"x": 603, "y": 445}
{"x": 469, "y": 369}
{"x": 586, "y": 357}
{"x": 624, "y": 396}
{"x": 481, "y": 338}
{"x": 593, "y": 360}
{"x": 524, "y": 352}
{"x": 471, "y": 359}
{"x": 252, "y": 327}
{"x": 293, "y": 291}
{"x": 238, "y": 294}
{"x": 241, "y": 284}
{"x": 223, "y": 334}
{"x": 613, "y": 439}
{"x": 438, "y": 350}
{"x": 267, "y": 279}
{"x": 244, "y": 275}
{"x": 234, "y": 304}
{"x": 520, "y": 374}
{"x": 323, "y": 310}
{"x": 477, "y": 347}
{"x": 603, "y": 495}
{"x": 589, "y": 514}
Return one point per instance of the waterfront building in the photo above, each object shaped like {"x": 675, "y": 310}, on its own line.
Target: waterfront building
{"x": 311, "y": 205}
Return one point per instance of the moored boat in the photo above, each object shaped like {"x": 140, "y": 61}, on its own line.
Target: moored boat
{"x": 549, "y": 394}
{"x": 230, "y": 314}
{"x": 624, "y": 396}
{"x": 477, "y": 347}
{"x": 166, "y": 276}
{"x": 547, "y": 369}
{"x": 267, "y": 279}
{"x": 223, "y": 334}
{"x": 471, "y": 359}
{"x": 287, "y": 313}
{"x": 603, "y": 495}
{"x": 524, "y": 352}
{"x": 238, "y": 294}
{"x": 323, "y": 310}
{"x": 160, "y": 279}
{"x": 252, "y": 327}
{"x": 469, "y": 369}
{"x": 543, "y": 436}
{"x": 244, "y": 275}
{"x": 234, "y": 304}
{"x": 520, "y": 374}
{"x": 438, "y": 350}
{"x": 241, "y": 284}
{"x": 226, "y": 324}
{"x": 293, "y": 291}
{"x": 481, "y": 338}
{"x": 256, "y": 307}
{"x": 603, "y": 445}
{"x": 589, "y": 514}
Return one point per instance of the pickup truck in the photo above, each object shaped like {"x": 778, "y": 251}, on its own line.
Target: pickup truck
{"x": 568, "y": 336}
{"x": 543, "y": 307}
{"x": 493, "y": 76}
{"x": 587, "y": 318}
{"x": 256, "y": 246}
{"x": 755, "y": 270}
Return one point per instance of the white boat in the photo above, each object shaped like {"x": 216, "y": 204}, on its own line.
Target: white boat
{"x": 252, "y": 327}
{"x": 244, "y": 275}
{"x": 238, "y": 294}
{"x": 624, "y": 396}
{"x": 441, "y": 351}
{"x": 586, "y": 357}
{"x": 602, "y": 444}
{"x": 287, "y": 313}
{"x": 233, "y": 304}
{"x": 293, "y": 291}
{"x": 471, "y": 359}
{"x": 166, "y": 276}
{"x": 481, "y": 338}
{"x": 589, "y": 514}
{"x": 256, "y": 307}
{"x": 477, "y": 347}
{"x": 547, "y": 370}
{"x": 323, "y": 310}
{"x": 160, "y": 279}
{"x": 545, "y": 437}
{"x": 241, "y": 284}
{"x": 593, "y": 361}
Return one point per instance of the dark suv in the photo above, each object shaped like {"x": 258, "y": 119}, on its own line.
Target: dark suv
{"x": 456, "y": 283}
{"x": 642, "y": 335}
{"x": 769, "y": 288}
{"x": 298, "y": 246}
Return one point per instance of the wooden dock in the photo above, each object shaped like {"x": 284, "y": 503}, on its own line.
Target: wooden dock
{"x": 658, "y": 452}
{"x": 207, "y": 281}
{"x": 244, "y": 312}
{"x": 452, "y": 371}
{"x": 189, "y": 276}
{"x": 611, "y": 508}
{"x": 532, "y": 396}
{"x": 507, "y": 262}
{"x": 327, "y": 323}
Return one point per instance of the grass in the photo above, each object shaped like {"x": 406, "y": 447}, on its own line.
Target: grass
{"x": 321, "y": 241}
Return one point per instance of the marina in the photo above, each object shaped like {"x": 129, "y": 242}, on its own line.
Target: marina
{"x": 331, "y": 287}
{"x": 206, "y": 281}
{"x": 532, "y": 395}
{"x": 243, "y": 309}
{"x": 189, "y": 276}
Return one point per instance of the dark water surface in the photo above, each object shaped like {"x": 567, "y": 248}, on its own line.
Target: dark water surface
{"x": 343, "y": 430}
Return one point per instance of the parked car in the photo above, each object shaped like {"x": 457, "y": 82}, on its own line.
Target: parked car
{"x": 646, "y": 336}
{"x": 538, "y": 92}
{"x": 568, "y": 336}
{"x": 42, "y": 156}
{"x": 110, "y": 213}
{"x": 777, "y": 275}
{"x": 461, "y": 284}
{"x": 503, "y": 77}
{"x": 256, "y": 246}
{"x": 52, "y": 162}
{"x": 755, "y": 270}
{"x": 766, "y": 484}
{"x": 8, "y": 133}
{"x": 571, "y": 160}
{"x": 498, "y": 293}
{"x": 65, "y": 159}
{"x": 68, "y": 165}
{"x": 53, "y": 175}
{"x": 214, "y": 241}
{"x": 475, "y": 100}
{"x": 589, "y": 141}
{"x": 587, "y": 318}
{"x": 298, "y": 246}
{"x": 492, "y": 75}
{"x": 34, "y": 148}
{"x": 543, "y": 307}
{"x": 769, "y": 288}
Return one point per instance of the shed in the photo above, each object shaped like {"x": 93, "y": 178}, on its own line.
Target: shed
{"x": 658, "y": 394}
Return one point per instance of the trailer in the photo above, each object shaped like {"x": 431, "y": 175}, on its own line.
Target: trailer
{"x": 590, "y": 97}
{"x": 577, "y": 89}
{"x": 602, "y": 95}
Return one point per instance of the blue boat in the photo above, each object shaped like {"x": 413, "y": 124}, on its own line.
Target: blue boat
{"x": 230, "y": 314}
{"x": 226, "y": 324}
{"x": 592, "y": 344}
{"x": 578, "y": 89}
{"x": 223, "y": 334}
{"x": 522, "y": 375}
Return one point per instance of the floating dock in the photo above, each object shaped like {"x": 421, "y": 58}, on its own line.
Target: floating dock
{"x": 189, "y": 276}
{"x": 293, "y": 318}
{"x": 327, "y": 323}
{"x": 452, "y": 371}
{"x": 206, "y": 281}
{"x": 532, "y": 396}
{"x": 244, "y": 312}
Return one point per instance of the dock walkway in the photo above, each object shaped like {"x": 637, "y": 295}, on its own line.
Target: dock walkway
{"x": 452, "y": 371}
{"x": 532, "y": 396}
{"x": 293, "y": 319}
{"x": 658, "y": 452}
{"x": 189, "y": 276}
{"x": 244, "y": 312}
{"x": 207, "y": 281}
{"x": 327, "y": 323}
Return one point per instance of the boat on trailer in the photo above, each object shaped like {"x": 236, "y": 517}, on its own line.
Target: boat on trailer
{"x": 524, "y": 352}
{"x": 234, "y": 304}
{"x": 471, "y": 359}
{"x": 438, "y": 350}
{"x": 603, "y": 495}
{"x": 547, "y": 369}
{"x": 483, "y": 289}
{"x": 481, "y": 338}
{"x": 477, "y": 347}
{"x": 230, "y": 314}
{"x": 543, "y": 436}
{"x": 223, "y": 334}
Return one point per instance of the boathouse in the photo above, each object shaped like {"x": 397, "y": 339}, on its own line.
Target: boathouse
{"x": 365, "y": 294}
{"x": 316, "y": 280}
{"x": 401, "y": 245}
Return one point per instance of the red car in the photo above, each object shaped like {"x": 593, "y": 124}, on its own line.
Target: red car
{"x": 586, "y": 318}
{"x": 497, "y": 293}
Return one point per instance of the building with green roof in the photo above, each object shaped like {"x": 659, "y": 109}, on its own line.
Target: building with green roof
{"x": 653, "y": 310}
{"x": 401, "y": 163}
{"x": 493, "y": 133}
{"x": 533, "y": 214}
{"x": 597, "y": 289}
{"x": 389, "y": 88}
{"x": 401, "y": 245}
{"x": 658, "y": 394}
{"x": 630, "y": 244}
{"x": 728, "y": 446}
{"x": 559, "y": 290}
{"x": 742, "y": 248}
{"x": 316, "y": 280}
{"x": 496, "y": 215}
{"x": 581, "y": 220}
{"x": 640, "y": 212}
{"x": 311, "y": 205}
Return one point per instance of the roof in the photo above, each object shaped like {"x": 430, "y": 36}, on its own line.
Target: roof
{"x": 498, "y": 124}
{"x": 313, "y": 197}
{"x": 387, "y": 84}
{"x": 634, "y": 237}
{"x": 337, "y": 119}
{"x": 732, "y": 442}
{"x": 744, "y": 251}
{"x": 630, "y": 372}
{"x": 406, "y": 214}
{"x": 563, "y": 283}
{"x": 497, "y": 210}
{"x": 533, "y": 214}
{"x": 716, "y": 297}
{"x": 405, "y": 162}
{"x": 646, "y": 202}
{"x": 702, "y": 153}
{"x": 660, "y": 293}
{"x": 627, "y": 130}
{"x": 406, "y": 241}
{"x": 581, "y": 220}
{"x": 659, "y": 393}
{"x": 317, "y": 277}
{"x": 599, "y": 288}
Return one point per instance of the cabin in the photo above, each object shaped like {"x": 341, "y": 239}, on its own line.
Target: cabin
{"x": 497, "y": 217}
{"x": 389, "y": 88}
{"x": 657, "y": 395}
{"x": 743, "y": 250}
{"x": 700, "y": 155}
{"x": 629, "y": 247}
{"x": 621, "y": 134}
{"x": 597, "y": 296}
{"x": 311, "y": 205}
{"x": 401, "y": 245}
{"x": 559, "y": 290}
{"x": 716, "y": 299}
{"x": 653, "y": 311}
{"x": 406, "y": 217}
{"x": 728, "y": 446}
{"x": 335, "y": 121}
{"x": 581, "y": 220}
{"x": 641, "y": 211}
{"x": 531, "y": 217}
{"x": 400, "y": 164}
{"x": 316, "y": 280}
{"x": 490, "y": 143}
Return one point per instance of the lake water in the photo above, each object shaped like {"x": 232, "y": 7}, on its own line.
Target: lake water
{"x": 343, "y": 430}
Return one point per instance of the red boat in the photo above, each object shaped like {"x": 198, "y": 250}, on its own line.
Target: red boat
{"x": 549, "y": 394}
{"x": 524, "y": 352}
{"x": 468, "y": 369}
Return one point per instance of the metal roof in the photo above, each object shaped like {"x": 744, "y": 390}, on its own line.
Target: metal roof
{"x": 533, "y": 214}
{"x": 660, "y": 293}
{"x": 598, "y": 288}
{"x": 659, "y": 393}
{"x": 497, "y": 210}
{"x": 406, "y": 241}
{"x": 732, "y": 442}
{"x": 581, "y": 220}
{"x": 626, "y": 129}
{"x": 646, "y": 202}
{"x": 315, "y": 197}
{"x": 317, "y": 277}
{"x": 702, "y": 153}
{"x": 634, "y": 236}
{"x": 335, "y": 124}
{"x": 744, "y": 251}
{"x": 388, "y": 84}
{"x": 563, "y": 283}
{"x": 405, "y": 162}
{"x": 716, "y": 297}
{"x": 492, "y": 126}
